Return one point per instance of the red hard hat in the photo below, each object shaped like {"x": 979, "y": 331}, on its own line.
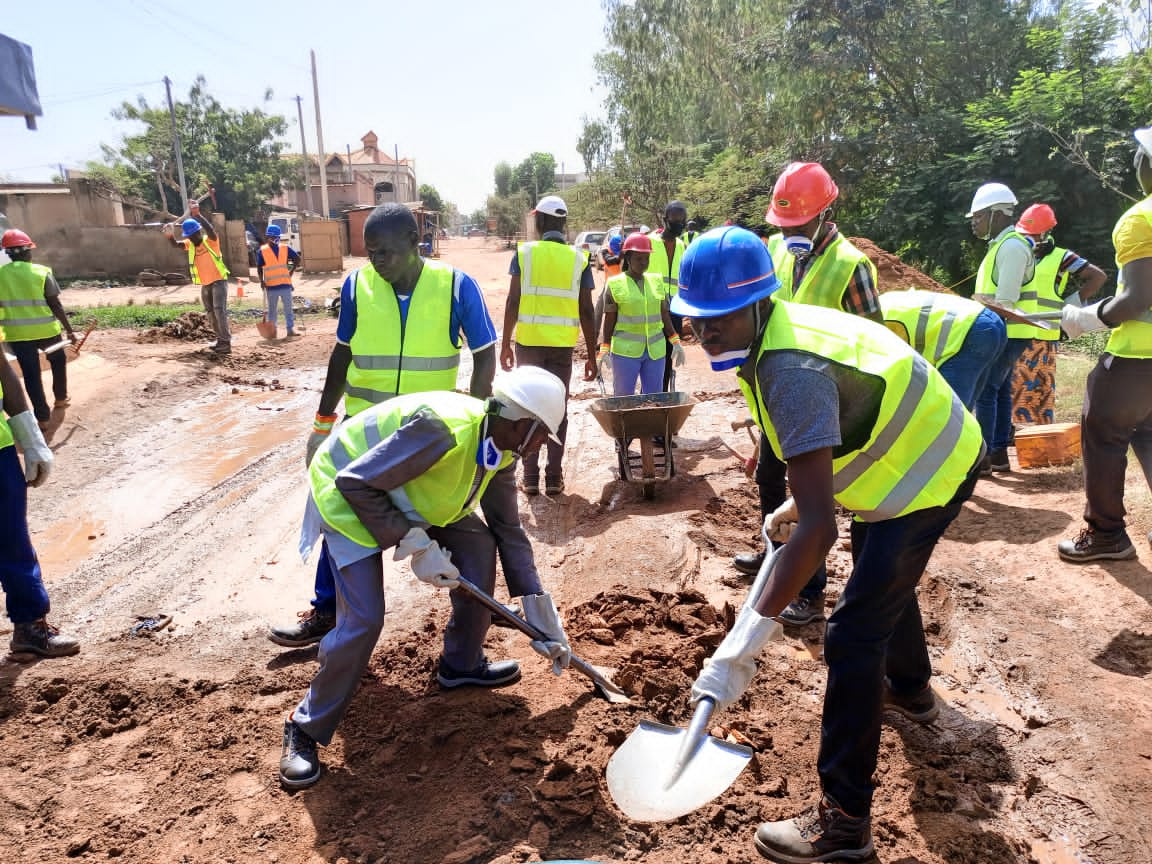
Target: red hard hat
{"x": 637, "y": 242}
{"x": 1037, "y": 219}
{"x": 801, "y": 193}
{"x": 14, "y": 238}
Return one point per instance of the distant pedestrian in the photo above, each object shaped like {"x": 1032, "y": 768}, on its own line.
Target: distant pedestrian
{"x": 274, "y": 267}
{"x": 33, "y": 319}
{"x": 208, "y": 271}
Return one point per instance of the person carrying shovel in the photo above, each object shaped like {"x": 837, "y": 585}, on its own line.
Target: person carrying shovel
{"x": 863, "y": 421}
{"x": 275, "y": 265}
{"x": 406, "y": 475}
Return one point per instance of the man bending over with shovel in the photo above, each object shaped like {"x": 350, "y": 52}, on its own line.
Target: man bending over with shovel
{"x": 864, "y": 421}
{"x": 407, "y": 474}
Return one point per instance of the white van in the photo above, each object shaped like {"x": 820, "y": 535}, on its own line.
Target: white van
{"x": 289, "y": 226}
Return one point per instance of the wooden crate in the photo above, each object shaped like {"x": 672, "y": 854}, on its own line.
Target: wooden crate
{"x": 1052, "y": 444}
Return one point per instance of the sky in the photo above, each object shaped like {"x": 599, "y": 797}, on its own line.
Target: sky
{"x": 457, "y": 85}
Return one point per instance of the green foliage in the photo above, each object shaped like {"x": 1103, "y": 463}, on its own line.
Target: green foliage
{"x": 535, "y": 176}
{"x": 236, "y": 151}
{"x": 430, "y": 198}
{"x": 595, "y": 145}
{"x": 508, "y": 212}
{"x": 134, "y": 316}
{"x": 503, "y": 177}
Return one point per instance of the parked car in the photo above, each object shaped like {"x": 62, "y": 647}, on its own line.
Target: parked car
{"x": 590, "y": 241}
{"x": 477, "y": 232}
{"x": 621, "y": 231}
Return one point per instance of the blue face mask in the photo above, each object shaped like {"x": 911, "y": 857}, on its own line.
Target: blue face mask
{"x": 488, "y": 454}
{"x": 729, "y": 359}
{"x": 798, "y": 244}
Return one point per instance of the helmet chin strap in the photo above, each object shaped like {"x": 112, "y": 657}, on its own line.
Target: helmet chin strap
{"x": 531, "y": 431}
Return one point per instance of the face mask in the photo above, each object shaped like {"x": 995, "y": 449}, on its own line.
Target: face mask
{"x": 729, "y": 359}
{"x": 798, "y": 244}
{"x": 488, "y": 454}
{"x": 673, "y": 229}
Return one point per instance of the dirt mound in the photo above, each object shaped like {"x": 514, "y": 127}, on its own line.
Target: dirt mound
{"x": 892, "y": 274}
{"x": 191, "y": 326}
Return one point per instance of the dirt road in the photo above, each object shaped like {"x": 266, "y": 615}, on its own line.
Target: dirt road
{"x": 178, "y": 491}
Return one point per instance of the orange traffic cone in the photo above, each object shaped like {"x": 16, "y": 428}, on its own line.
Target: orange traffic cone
{"x": 239, "y": 290}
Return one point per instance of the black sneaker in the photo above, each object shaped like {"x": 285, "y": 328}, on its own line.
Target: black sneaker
{"x": 803, "y": 610}
{"x": 311, "y": 626}
{"x": 985, "y": 468}
{"x": 749, "y": 563}
{"x": 299, "y": 762}
{"x": 40, "y": 637}
{"x": 998, "y": 462}
{"x": 1093, "y": 545}
{"x": 499, "y": 674}
{"x": 921, "y": 707}
{"x": 822, "y": 833}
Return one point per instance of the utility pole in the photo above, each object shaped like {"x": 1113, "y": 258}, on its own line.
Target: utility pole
{"x": 320, "y": 143}
{"x": 307, "y": 190}
{"x": 176, "y": 140}
{"x": 396, "y": 173}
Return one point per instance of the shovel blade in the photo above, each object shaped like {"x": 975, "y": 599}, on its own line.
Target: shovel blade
{"x": 640, "y": 772}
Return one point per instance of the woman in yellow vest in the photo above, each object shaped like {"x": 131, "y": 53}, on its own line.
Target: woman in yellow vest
{"x": 206, "y": 265}
{"x": 407, "y": 474}
{"x": 32, "y": 317}
{"x": 862, "y": 421}
{"x": 1118, "y": 402}
{"x": 637, "y": 324}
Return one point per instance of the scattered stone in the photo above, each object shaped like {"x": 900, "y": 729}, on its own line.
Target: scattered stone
{"x": 78, "y": 846}
{"x": 470, "y": 849}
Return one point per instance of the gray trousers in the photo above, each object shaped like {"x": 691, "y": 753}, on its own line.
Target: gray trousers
{"x": 558, "y": 361}
{"x": 347, "y": 649}
{"x": 215, "y": 300}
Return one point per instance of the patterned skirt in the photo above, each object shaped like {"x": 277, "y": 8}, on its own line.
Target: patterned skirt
{"x": 1034, "y": 384}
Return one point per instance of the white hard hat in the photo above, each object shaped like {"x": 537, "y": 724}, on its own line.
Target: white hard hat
{"x": 1144, "y": 139}
{"x": 989, "y": 195}
{"x": 532, "y": 392}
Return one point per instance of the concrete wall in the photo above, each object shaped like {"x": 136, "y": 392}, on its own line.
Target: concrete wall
{"x": 39, "y": 208}
{"x": 122, "y": 252}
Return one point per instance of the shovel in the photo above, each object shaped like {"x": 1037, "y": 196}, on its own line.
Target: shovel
{"x": 605, "y": 686}
{"x": 663, "y": 772}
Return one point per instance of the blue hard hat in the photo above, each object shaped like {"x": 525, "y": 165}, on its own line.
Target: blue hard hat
{"x": 190, "y": 227}
{"x": 273, "y": 231}
{"x": 724, "y": 269}
{"x": 614, "y": 244}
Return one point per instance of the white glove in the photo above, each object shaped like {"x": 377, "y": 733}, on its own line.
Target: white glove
{"x": 729, "y": 671}
{"x": 540, "y": 612}
{"x": 781, "y": 522}
{"x": 315, "y": 440}
{"x": 430, "y": 563}
{"x": 678, "y": 357}
{"x": 1075, "y": 321}
{"x": 38, "y": 458}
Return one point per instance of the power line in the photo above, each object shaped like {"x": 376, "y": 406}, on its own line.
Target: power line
{"x": 82, "y": 96}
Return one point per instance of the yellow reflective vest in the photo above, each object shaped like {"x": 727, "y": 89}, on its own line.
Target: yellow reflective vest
{"x": 923, "y": 443}
{"x": 985, "y": 289}
{"x": 1045, "y": 293}
{"x": 828, "y": 276}
{"x": 1132, "y": 338}
{"x": 445, "y": 493}
{"x": 659, "y": 265}
{"x": 639, "y": 323}
{"x": 274, "y": 266}
{"x": 549, "y": 312}
{"x": 390, "y": 357}
{"x": 933, "y": 323}
{"x": 24, "y": 310}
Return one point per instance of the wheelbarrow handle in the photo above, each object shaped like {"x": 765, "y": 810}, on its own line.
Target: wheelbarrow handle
{"x": 582, "y": 666}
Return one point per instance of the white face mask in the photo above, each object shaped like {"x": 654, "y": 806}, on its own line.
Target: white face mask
{"x": 729, "y": 359}
{"x": 798, "y": 244}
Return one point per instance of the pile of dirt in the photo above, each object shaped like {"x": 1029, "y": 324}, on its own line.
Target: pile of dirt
{"x": 892, "y": 274}
{"x": 191, "y": 326}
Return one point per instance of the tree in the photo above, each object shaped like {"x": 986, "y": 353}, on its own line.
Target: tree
{"x": 503, "y": 177}
{"x": 235, "y": 151}
{"x": 535, "y": 176}
{"x": 595, "y": 145}
{"x": 430, "y": 198}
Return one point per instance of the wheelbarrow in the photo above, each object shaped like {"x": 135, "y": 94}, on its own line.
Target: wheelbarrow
{"x": 652, "y": 419}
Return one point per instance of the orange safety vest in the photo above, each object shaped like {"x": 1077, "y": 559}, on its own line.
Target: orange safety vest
{"x": 204, "y": 261}
{"x": 275, "y": 266}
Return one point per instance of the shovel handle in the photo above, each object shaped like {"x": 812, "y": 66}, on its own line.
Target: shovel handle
{"x": 697, "y": 732}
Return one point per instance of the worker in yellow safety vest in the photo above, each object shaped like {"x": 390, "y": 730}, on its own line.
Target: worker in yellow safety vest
{"x": 275, "y": 264}
{"x": 1117, "y": 410}
{"x": 667, "y": 249}
{"x": 549, "y": 306}
{"x": 25, "y": 596}
{"x": 399, "y": 332}
{"x": 33, "y": 318}
{"x": 208, "y": 271}
{"x": 407, "y": 475}
{"x": 862, "y": 421}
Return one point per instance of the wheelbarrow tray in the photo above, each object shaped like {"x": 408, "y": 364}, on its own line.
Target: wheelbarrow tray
{"x": 644, "y": 416}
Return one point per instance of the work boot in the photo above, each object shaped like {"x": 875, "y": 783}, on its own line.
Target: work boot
{"x": 749, "y": 562}
{"x": 291, "y": 334}
{"x": 985, "y": 468}
{"x": 821, "y": 833}
{"x": 221, "y": 349}
{"x": 299, "y": 761}
{"x": 803, "y": 610}
{"x": 1093, "y": 545}
{"x": 40, "y": 637}
{"x": 499, "y": 674}
{"x": 311, "y": 626}
{"x": 922, "y": 707}
{"x": 998, "y": 462}
{"x": 530, "y": 485}
{"x": 553, "y": 485}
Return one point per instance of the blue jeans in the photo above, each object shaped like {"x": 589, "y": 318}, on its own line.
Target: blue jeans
{"x": 281, "y": 294}
{"x": 967, "y": 371}
{"x": 627, "y": 370}
{"x": 994, "y": 404}
{"x": 24, "y": 593}
{"x": 875, "y": 632}
{"x": 325, "y": 584}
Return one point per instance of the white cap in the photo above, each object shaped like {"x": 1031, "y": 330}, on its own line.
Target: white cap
{"x": 989, "y": 195}
{"x": 1144, "y": 139}
{"x": 553, "y": 205}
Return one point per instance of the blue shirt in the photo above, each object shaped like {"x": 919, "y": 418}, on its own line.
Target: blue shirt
{"x": 587, "y": 282}
{"x": 469, "y": 312}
